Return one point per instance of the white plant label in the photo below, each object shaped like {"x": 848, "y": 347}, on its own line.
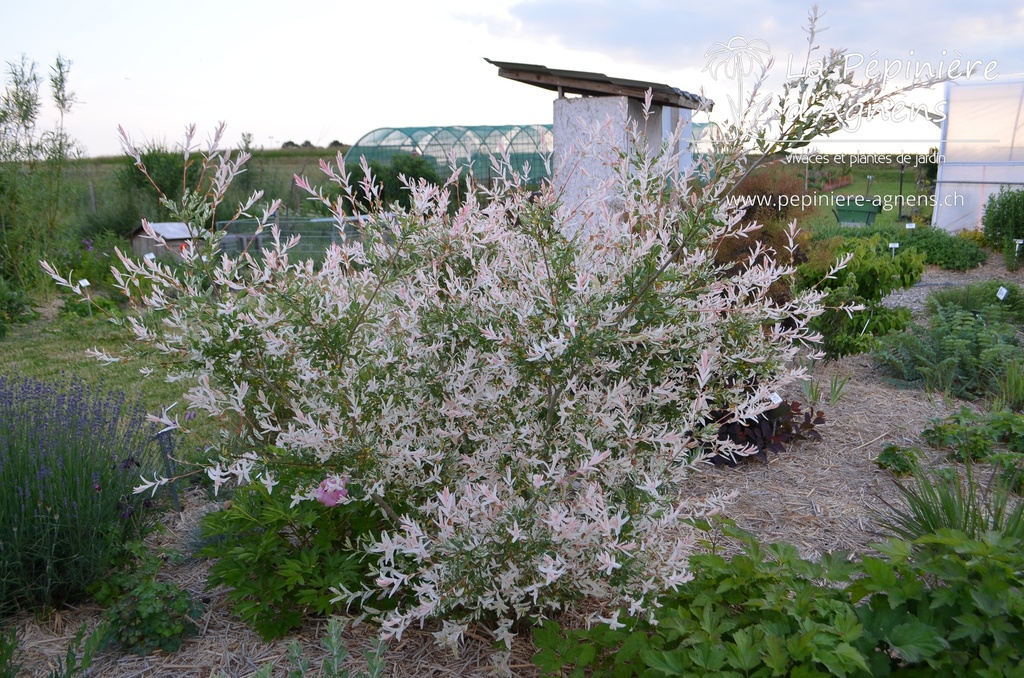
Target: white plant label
{"x": 775, "y": 398}
{"x": 150, "y": 256}
{"x": 1001, "y": 293}
{"x": 893, "y": 245}
{"x": 83, "y": 283}
{"x": 911, "y": 226}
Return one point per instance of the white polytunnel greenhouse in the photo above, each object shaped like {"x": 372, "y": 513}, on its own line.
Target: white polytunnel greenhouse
{"x": 526, "y": 146}
{"x": 982, "y": 149}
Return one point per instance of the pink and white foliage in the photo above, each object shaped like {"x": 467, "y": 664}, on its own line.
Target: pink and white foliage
{"x": 532, "y": 382}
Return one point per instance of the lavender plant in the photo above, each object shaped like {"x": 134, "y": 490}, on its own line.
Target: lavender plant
{"x": 70, "y": 456}
{"x": 522, "y": 386}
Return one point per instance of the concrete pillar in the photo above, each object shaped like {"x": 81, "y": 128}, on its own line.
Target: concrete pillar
{"x": 586, "y": 128}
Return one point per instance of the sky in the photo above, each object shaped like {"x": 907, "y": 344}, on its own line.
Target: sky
{"x": 333, "y": 70}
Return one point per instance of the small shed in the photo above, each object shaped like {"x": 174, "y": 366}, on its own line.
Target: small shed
{"x": 602, "y": 98}
{"x": 175, "y": 233}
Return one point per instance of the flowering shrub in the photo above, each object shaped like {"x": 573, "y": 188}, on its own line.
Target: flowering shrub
{"x": 522, "y": 386}
{"x": 70, "y": 456}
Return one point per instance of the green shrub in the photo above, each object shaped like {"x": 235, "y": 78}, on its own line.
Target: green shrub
{"x": 13, "y": 305}
{"x": 120, "y": 216}
{"x": 168, "y": 173}
{"x": 94, "y": 257}
{"x": 762, "y": 612}
{"x": 965, "y": 434}
{"x": 973, "y": 437}
{"x": 977, "y": 237}
{"x": 91, "y": 259}
{"x": 938, "y": 247}
{"x": 34, "y": 159}
{"x": 943, "y": 249}
{"x": 944, "y": 602}
{"x": 1007, "y": 428}
{"x": 872, "y": 273}
{"x": 845, "y": 335}
{"x": 1003, "y": 219}
{"x": 387, "y": 176}
{"x": 281, "y": 560}
{"x": 1011, "y": 255}
{"x": 97, "y": 305}
{"x": 70, "y": 456}
{"x": 145, "y": 614}
{"x": 900, "y": 461}
{"x": 958, "y": 353}
{"x": 981, "y": 296}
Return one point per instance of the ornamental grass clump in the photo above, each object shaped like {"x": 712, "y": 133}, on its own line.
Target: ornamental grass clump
{"x": 520, "y": 384}
{"x": 70, "y": 455}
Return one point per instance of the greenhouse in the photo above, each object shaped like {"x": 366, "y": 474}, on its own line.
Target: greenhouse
{"x": 982, "y": 149}
{"x": 526, "y": 145}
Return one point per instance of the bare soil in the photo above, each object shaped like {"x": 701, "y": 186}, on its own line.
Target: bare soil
{"x": 819, "y": 496}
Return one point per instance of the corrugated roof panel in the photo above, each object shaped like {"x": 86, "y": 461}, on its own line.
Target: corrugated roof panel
{"x": 168, "y": 230}
{"x": 597, "y": 84}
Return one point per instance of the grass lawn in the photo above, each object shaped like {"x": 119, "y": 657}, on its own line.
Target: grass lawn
{"x": 885, "y": 182}
{"x": 55, "y": 350}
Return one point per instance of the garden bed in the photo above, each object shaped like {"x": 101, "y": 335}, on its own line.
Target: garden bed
{"x": 818, "y": 496}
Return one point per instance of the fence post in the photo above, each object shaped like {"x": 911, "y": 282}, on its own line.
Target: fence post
{"x": 167, "y": 448}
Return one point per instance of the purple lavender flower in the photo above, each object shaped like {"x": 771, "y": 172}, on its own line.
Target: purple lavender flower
{"x": 70, "y": 456}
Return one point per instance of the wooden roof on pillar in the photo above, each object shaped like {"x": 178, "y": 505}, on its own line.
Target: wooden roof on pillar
{"x": 598, "y": 84}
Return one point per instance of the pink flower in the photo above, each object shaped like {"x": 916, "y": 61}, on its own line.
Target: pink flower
{"x": 331, "y": 491}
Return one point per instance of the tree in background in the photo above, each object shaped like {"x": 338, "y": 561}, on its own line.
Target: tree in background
{"x": 387, "y": 176}
{"x": 169, "y": 175}
{"x": 33, "y": 163}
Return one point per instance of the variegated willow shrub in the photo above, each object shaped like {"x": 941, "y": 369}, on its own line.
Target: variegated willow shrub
{"x": 520, "y": 385}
